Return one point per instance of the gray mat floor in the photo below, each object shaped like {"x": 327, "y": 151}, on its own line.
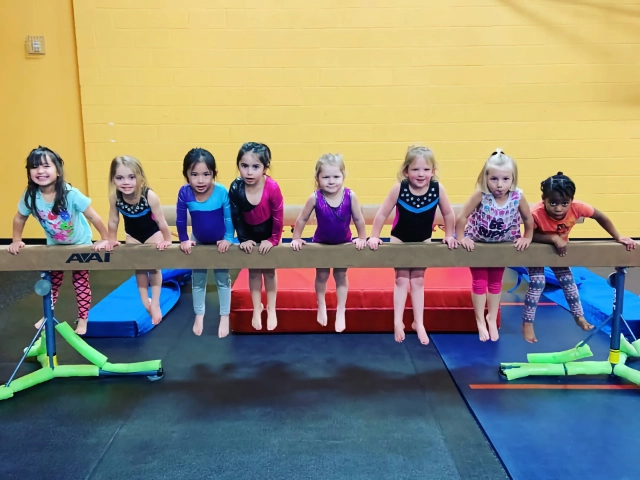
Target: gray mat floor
{"x": 350, "y": 406}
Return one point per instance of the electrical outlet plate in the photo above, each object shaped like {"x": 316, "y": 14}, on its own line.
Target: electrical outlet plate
{"x": 35, "y": 45}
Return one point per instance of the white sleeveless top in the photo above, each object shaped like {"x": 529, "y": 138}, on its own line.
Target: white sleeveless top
{"x": 493, "y": 223}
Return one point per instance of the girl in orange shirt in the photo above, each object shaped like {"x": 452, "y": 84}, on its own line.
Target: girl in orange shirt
{"x": 553, "y": 219}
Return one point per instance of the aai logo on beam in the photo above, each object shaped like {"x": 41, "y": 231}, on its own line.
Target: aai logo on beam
{"x": 89, "y": 257}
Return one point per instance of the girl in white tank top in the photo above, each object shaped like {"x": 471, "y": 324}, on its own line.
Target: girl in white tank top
{"x": 493, "y": 214}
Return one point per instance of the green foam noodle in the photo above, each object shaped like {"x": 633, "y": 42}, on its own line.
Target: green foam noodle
{"x": 588, "y": 368}
{"x": 76, "y": 371}
{"x": 627, "y": 373}
{"x": 39, "y": 347}
{"x": 34, "y": 378}
{"x": 631, "y": 349}
{"x": 5, "y": 392}
{"x": 148, "y": 366}
{"x": 82, "y": 347}
{"x": 43, "y": 358}
{"x": 533, "y": 369}
{"x": 575, "y": 353}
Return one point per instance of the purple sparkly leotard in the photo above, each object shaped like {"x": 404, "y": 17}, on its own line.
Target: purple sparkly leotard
{"x": 333, "y": 222}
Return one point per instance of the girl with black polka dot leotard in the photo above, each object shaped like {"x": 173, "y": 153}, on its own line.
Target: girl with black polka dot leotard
{"x": 415, "y": 198}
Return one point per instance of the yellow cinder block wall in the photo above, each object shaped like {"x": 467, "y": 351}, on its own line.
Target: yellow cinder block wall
{"x": 39, "y": 99}
{"x": 554, "y": 84}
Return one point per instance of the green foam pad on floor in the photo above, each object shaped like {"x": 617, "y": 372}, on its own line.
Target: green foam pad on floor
{"x": 34, "y": 378}
{"x": 149, "y": 366}
{"x": 76, "y": 371}
{"x": 5, "y": 392}
{"x": 575, "y": 353}
{"x": 588, "y": 368}
{"x": 529, "y": 369}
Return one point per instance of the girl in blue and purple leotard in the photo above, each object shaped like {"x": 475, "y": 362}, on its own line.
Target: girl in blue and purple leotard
{"x": 207, "y": 202}
{"x": 335, "y": 206}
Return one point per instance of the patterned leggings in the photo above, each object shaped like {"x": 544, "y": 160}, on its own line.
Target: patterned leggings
{"x": 536, "y": 286}
{"x": 80, "y": 284}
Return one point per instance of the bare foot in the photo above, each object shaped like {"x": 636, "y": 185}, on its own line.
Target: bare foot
{"x": 272, "y": 320}
{"x": 422, "y": 333}
{"x": 198, "y": 324}
{"x": 483, "y": 333}
{"x": 223, "y": 329}
{"x": 322, "y": 314}
{"x": 147, "y": 307}
{"x": 583, "y": 324}
{"x": 156, "y": 313}
{"x": 398, "y": 332}
{"x": 527, "y": 331}
{"x": 340, "y": 320}
{"x": 39, "y": 323}
{"x": 256, "y": 321}
{"x": 493, "y": 328}
{"x": 81, "y": 328}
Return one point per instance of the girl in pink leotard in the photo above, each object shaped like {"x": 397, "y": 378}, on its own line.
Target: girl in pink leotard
{"x": 257, "y": 212}
{"x": 335, "y": 206}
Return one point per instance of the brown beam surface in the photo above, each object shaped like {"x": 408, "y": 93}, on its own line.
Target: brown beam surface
{"x": 437, "y": 255}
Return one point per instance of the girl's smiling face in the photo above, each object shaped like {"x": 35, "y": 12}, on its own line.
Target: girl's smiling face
{"x": 125, "y": 180}
{"x": 419, "y": 173}
{"x": 44, "y": 174}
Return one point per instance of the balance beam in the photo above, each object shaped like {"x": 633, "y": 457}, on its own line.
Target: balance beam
{"x": 600, "y": 253}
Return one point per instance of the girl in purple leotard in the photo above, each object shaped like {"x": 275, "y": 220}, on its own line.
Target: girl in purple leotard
{"x": 335, "y": 206}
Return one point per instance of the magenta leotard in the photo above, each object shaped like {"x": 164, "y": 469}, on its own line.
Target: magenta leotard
{"x": 259, "y": 222}
{"x": 333, "y": 222}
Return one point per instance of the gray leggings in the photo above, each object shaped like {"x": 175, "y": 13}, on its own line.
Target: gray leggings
{"x": 199, "y": 290}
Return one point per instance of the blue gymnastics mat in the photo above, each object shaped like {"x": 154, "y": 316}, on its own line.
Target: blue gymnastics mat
{"x": 596, "y": 296}
{"x": 121, "y": 314}
{"x": 545, "y": 433}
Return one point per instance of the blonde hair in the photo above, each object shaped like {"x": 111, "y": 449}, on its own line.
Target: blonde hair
{"x": 333, "y": 159}
{"x": 501, "y": 161}
{"x": 413, "y": 152}
{"x": 135, "y": 166}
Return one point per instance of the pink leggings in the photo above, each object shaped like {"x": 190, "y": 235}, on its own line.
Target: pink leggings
{"x": 489, "y": 278}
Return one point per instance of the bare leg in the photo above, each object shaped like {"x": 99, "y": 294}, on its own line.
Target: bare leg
{"x": 322, "y": 275}
{"x": 255, "y": 286}
{"x": 400, "y": 291}
{"x": 479, "y": 302}
{"x": 493, "y": 302}
{"x": 271, "y": 286}
{"x": 155, "y": 279}
{"x": 416, "y": 279}
{"x": 142, "y": 279}
{"x": 342, "y": 289}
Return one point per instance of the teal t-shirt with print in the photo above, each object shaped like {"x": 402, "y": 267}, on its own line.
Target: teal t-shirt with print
{"x": 70, "y": 227}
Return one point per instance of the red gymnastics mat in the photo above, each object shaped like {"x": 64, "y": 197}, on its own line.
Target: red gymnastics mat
{"x": 447, "y": 302}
